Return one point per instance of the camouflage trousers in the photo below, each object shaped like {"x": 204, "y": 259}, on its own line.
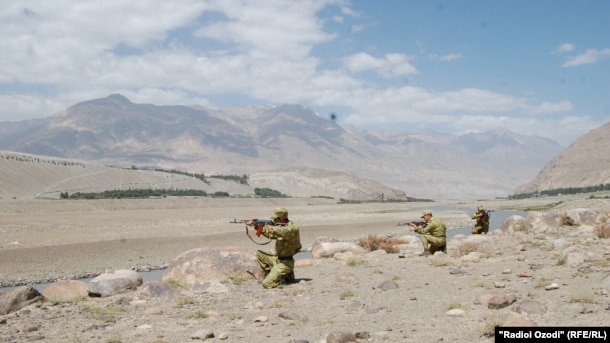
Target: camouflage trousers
{"x": 433, "y": 243}
{"x": 479, "y": 229}
{"x": 274, "y": 268}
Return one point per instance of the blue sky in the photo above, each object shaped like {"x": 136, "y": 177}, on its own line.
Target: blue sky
{"x": 533, "y": 67}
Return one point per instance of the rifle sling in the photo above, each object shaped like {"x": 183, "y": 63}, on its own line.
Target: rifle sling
{"x": 253, "y": 241}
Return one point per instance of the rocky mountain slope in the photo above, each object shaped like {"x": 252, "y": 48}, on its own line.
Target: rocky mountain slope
{"x": 247, "y": 140}
{"x": 584, "y": 163}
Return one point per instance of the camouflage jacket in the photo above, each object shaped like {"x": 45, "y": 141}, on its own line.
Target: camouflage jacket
{"x": 288, "y": 239}
{"x": 435, "y": 227}
{"x": 482, "y": 217}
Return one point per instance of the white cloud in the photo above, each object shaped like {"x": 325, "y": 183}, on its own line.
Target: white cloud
{"x": 450, "y": 57}
{"x": 392, "y": 65}
{"x": 271, "y": 29}
{"x": 589, "y": 57}
{"x": 547, "y": 107}
{"x": 563, "y": 48}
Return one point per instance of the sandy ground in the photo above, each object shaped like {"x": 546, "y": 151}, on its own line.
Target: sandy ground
{"x": 44, "y": 240}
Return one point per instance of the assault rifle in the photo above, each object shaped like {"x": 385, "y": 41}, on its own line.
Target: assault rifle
{"x": 414, "y": 222}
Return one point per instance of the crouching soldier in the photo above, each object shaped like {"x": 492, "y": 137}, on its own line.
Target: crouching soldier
{"x": 433, "y": 234}
{"x": 279, "y": 267}
{"x": 482, "y": 218}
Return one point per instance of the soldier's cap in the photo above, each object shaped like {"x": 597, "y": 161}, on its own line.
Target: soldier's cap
{"x": 426, "y": 212}
{"x": 279, "y": 212}
{"x": 480, "y": 207}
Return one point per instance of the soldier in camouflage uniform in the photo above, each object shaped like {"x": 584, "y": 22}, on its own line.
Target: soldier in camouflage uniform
{"x": 279, "y": 267}
{"x": 482, "y": 218}
{"x": 433, "y": 234}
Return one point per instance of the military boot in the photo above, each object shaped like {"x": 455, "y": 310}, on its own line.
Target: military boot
{"x": 289, "y": 278}
{"x": 425, "y": 253}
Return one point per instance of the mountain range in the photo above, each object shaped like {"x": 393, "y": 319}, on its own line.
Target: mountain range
{"x": 282, "y": 146}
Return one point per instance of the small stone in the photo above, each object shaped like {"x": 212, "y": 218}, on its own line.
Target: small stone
{"x": 499, "y": 284}
{"x": 455, "y": 312}
{"x": 506, "y": 271}
{"x": 552, "y": 286}
{"x": 261, "y": 319}
{"x": 202, "y": 334}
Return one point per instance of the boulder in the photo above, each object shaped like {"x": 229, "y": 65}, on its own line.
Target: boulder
{"x": 574, "y": 255}
{"x": 111, "y": 283}
{"x": 66, "y": 291}
{"x": 18, "y": 298}
{"x": 585, "y": 216}
{"x": 158, "y": 289}
{"x": 324, "y": 248}
{"x": 542, "y": 222}
{"x": 514, "y": 224}
{"x": 199, "y": 268}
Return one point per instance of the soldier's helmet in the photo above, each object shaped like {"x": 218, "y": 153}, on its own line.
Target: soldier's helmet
{"x": 279, "y": 212}
{"x": 480, "y": 207}
{"x": 427, "y": 212}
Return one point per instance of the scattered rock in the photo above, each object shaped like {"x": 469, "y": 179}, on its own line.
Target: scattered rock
{"x": 455, "y": 312}
{"x": 528, "y": 307}
{"x": 202, "y": 334}
{"x": 387, "y": 285}
{"x": 66, "y": 290}
{"x": 18, "y": 298}
{"x": 552, "y": 287}
{"x": 500, "y": 301}
{"x": 341, "y": 337}
{"x": 112, "y": 283}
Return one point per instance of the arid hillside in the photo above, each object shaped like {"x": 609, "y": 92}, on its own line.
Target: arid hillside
{"x": 26, "y": 176}
{"x": 584, "y": 163}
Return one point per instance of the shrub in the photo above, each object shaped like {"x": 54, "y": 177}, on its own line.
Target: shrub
{"x": 374, "y": 242}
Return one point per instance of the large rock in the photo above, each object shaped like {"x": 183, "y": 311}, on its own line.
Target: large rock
{"x": 543, "y": 222}
{"x": 462, "y": 245}
{"x": 158, "y": 289}
{"x": 575, "y": 255}
{"x": 325, "y": 247}
{"x": 585, "y": 216}
{"x": 202, "y": 268}
{"x": 514, "y": 224}
{"x": 66, "y": 290}
{"x": 18, "y": 298}
{"x": 111, "y": 283}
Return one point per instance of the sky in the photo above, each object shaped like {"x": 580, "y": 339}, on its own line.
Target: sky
{"x": 532, "y": 67}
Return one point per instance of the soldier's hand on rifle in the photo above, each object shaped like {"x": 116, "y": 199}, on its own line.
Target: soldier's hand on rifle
{"x": 250, "y": 222}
